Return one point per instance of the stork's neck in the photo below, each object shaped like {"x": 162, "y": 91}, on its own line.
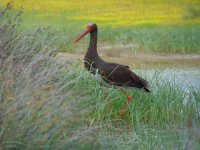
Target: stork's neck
{"x": 92, "y": 49}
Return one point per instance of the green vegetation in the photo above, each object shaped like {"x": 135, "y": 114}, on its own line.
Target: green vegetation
{"x": 46, "y": 105}
{"x": 166, "y": 39}
{"x": 161, "y": 26}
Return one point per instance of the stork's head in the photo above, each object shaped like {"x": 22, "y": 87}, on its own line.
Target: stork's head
{"x": 91, "y": 27}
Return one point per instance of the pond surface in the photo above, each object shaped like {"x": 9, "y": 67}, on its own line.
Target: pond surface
{"x": 185, "y": 78}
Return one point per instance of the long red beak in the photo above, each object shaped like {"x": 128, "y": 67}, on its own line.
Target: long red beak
{"x": 82, "y": 35}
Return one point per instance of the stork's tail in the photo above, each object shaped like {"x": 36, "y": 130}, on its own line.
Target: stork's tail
{"x": 146, "y": 90}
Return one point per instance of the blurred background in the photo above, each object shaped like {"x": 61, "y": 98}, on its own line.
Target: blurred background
{"x": 148, "y": 25}
{"x": 49, "y": 101}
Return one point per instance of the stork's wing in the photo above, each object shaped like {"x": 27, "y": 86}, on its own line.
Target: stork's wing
{"x": 121, "y": 75}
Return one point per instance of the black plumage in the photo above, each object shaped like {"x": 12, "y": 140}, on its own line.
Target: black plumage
{"x": 112, "y": 73}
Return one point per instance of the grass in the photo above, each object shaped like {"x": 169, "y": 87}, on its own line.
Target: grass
{"x": 47, "y": 105}
{"x": 166, "y": 39}
{"x": 160, "y": 26}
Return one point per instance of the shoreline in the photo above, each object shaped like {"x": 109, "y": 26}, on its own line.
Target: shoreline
{"x": 137, "y": 59}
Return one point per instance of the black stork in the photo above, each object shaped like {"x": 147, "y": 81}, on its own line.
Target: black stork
{"x": 111, "y": 73}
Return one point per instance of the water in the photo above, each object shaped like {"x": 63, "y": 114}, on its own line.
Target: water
{"x": 187, "y": 79}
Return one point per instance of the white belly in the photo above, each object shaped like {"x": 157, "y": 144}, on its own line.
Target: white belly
{"x": 98, "y": 77}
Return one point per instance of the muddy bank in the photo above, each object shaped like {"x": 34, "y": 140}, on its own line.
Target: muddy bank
{"x": 138, "y": 60}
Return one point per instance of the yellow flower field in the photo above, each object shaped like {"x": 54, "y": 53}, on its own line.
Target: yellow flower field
{"x": 114, "y": 13}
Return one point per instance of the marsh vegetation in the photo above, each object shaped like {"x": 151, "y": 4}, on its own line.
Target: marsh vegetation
{"x": 45, "y": 104}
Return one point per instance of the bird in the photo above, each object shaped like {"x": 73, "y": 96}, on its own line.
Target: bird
{"x": 112, "y": 74}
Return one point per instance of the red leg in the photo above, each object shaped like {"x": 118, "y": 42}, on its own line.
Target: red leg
{"x": 125, "y": 106}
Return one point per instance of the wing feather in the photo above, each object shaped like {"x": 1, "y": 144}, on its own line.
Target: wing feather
{"x": 121, "y": 75}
